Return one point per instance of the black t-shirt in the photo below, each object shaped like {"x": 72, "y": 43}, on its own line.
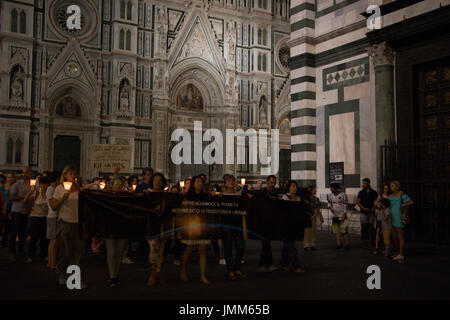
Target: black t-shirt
{"x": 367, "y": 199}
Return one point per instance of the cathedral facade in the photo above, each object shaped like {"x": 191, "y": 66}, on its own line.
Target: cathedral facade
{"x": 136, "y": 71}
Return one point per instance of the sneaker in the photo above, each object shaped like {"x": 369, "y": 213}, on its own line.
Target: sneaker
{"x": 177, "y": 262}
{"x": 339, "y": 246}
{"x": 272, "y": 268}
{"x": 127, "y": 260}
{"x": 399, "y": 258}
{"x": 222, "y": 262}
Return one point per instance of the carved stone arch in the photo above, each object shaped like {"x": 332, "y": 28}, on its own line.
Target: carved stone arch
{"x": 89, "y": 109}
{"x": 201, "y": 74}
{"x": 197, "y": 30}
{"x": 72, "y": 67}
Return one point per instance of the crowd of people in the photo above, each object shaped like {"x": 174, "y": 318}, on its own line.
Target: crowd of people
{"x": 43, "y": 209}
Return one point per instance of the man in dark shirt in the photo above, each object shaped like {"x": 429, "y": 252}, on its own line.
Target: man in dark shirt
{"x": 145, "y": 184}
{"x": 266, "y": 258}
{"x": 366, "y": 200}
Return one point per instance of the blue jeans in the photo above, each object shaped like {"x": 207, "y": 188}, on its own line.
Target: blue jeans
{"x": 18, "y": 228}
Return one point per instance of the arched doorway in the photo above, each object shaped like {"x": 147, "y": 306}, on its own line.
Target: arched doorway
{"x": 196, "y": 95}
{"x": 66, "y": 151}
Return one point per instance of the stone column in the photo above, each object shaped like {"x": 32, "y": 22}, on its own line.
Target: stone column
{"x": 383, "y": 61}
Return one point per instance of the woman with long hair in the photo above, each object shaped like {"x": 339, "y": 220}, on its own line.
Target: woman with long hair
{"x": 379, "y": 219}
{"x": 70, "y": 245}
{"x": 196, "y": 192}
{"x": 157, "y": 184}
{"x": 399, "y": 200}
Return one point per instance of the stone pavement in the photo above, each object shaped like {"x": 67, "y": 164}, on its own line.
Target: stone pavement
{"x": 331, "y": 274}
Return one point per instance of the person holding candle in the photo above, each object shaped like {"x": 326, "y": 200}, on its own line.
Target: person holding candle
{"x": 196, "y": 192}
{"x": 38, "y": 219}
{"x": 70, "y": 244}
{"x": 19, "y": 213}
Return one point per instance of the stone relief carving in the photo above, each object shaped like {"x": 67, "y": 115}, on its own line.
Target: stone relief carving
{"x": 18, "y": 56}
{"x": 197, "y": 45}
{"x": 162, "y": 26}
{"x": 382, "y": 54}
{"x": 231, "y": 41}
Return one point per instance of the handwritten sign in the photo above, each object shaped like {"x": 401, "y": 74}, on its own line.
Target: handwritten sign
{"x": 107, "y": 157}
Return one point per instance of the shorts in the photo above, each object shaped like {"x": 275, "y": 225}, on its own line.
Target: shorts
{"x": 341, "y": 227}
{"x": 387, "y": 236}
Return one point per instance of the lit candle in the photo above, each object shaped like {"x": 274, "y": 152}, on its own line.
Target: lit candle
{"x": 166, "y": 188}
{"x": 134, "y": 187}
{"x": 32, "y": 182}
{"x": 67, "y": 185}
{"x": 243, "y": 181}
{"x": 182, "y": 184}
{"x": 102, "y": 185}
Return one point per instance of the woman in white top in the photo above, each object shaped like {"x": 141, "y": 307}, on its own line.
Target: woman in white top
{"x": 70, "y": 245}
{"x": 38, "y": 219}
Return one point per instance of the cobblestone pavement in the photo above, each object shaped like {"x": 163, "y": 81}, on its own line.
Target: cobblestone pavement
{"x": 331, "y": 274}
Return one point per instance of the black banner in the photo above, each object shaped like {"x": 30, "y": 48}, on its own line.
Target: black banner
{"x": 165, "y": 215}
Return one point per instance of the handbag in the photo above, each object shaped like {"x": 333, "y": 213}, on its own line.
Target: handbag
{"x": 404, "y": 212}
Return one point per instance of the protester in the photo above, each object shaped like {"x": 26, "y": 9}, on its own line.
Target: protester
{"x": 145, "y": 184}
{"x": 337, "y": 203}
{"x": 195, "y": 193}
{"x": 289, "y": 252}
{"x": 51, "y": 221}
{"x": 157, "y": 184}
{"x": 38, "y": 217}
{"x": 70, "y": 244}
{"x": 115, "y": 246}
{"x": 309, "y": 242}
{"x": 19, "y": 214}
{"x": 5, "y": 227}
{"x": 399, "y": 201}
{"x": 233, "y": 237}
{"x": 266, "y": 258}
{"x": 366, "y": 201}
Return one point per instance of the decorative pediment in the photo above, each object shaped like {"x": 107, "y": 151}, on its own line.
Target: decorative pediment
{"x": 72, "y": 65}
{"x": 197, "y": 40}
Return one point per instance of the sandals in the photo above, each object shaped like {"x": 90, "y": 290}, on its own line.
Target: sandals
{"x": 232, "y": 276}
{"x": 240, "y": 275}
